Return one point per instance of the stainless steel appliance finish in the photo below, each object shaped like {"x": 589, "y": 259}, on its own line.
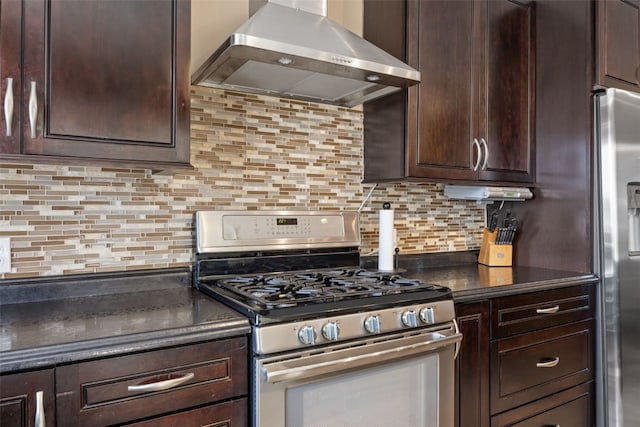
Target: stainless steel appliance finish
{"x": 233, "y": 231}
{"x": 291, "y": 52}
{"x": 617, "y": 256}
{"x": 403, "y": 380}
{"x": 332, "y": 344}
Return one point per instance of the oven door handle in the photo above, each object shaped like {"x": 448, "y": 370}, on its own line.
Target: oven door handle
{"x": 357, "y": 357}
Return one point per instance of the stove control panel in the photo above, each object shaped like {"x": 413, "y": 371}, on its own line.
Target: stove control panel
{"x": 279, "y": 337}
{"x": 222, "y": 231}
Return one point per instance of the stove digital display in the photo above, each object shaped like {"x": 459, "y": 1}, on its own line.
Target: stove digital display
{"x": 287, "y": 221}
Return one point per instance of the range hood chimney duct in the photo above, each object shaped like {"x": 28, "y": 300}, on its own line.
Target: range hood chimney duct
{"x": 290, "y": 49}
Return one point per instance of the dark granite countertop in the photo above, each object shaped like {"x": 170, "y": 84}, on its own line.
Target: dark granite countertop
{"x": 44, "y": 322}
{"x": 78, "y": 318}
{"x": 471, "y": 281}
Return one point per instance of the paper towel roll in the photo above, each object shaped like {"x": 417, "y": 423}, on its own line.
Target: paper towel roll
{"x": 386, "y": 240}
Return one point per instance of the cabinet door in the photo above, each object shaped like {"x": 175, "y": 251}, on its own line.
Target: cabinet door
{"x": 508, "y": 113}
{"x": 471, "y": 117}
{"x": 18, "y": 402}
{"x": 472, "y": 368}
{"x": 443, "y": 105}
{"x": 107, "y": 80}
{"x": 10, "y": 76}
{"x": 474, "y": 107}
{"x": 619, "y": 43}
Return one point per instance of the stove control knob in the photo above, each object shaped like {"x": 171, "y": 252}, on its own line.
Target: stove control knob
{"x": 307, "y": 335}
{"x": 409, "y": 319}
{"x": 427, "y": 315}
{"x": 331, "y": 331}
{"x": 372, "y": 324}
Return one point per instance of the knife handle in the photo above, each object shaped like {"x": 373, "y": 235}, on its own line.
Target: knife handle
{"x": 493, "y": 222}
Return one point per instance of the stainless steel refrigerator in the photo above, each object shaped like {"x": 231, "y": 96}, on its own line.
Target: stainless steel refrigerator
{"x": 617, "y": 256}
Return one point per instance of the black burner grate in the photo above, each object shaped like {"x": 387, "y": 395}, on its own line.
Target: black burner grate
{"x": 283, "y": 290}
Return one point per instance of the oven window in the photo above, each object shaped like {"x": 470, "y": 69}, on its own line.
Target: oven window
{"x": 395, "y": 394}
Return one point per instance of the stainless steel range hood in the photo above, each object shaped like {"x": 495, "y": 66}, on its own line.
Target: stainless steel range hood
{"x": 291, "y": 52}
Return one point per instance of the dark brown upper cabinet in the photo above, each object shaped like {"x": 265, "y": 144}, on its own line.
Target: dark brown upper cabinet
{"x": 97, "y": 80}
{"x": 471, "y": 118}
{"x": 618, "y": 29}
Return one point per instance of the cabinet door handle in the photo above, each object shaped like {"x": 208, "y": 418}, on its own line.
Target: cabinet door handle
{"x": 8, "y": 105}
{"x": 638, "y": 75}
{"x": 33, "y": 109}
{"x": 549, "y": 310}
{"x": 164, "y": 384}
{"x": 478, "y": 154}
{"x": 458, "y": 344}
{"x": 551, "y": 363}
{"x": 486, "y": 153}
{"x": 39, "y": 420}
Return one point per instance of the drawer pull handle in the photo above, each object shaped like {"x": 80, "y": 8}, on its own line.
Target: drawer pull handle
{"x": 164, "y": 384}
{"x": 549, "y": 310}
{"x": 549, "y": 363}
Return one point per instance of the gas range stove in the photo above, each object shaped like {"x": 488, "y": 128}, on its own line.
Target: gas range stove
{"x": 323, "y": 328}
{"x": 299, "y": 271}
{"x": 306, "y": 294}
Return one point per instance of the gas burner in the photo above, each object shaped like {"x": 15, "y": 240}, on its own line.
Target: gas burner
{"x": 316, "y": 286}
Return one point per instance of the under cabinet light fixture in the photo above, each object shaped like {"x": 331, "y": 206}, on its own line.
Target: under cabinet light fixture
{"x": 487, "y": 194}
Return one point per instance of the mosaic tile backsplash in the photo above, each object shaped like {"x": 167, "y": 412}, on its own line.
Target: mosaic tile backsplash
{"x": 248, "y": 152}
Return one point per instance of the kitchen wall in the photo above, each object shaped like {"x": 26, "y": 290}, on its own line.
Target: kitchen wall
{"x": 248, "y": 152}
{"x": 213, "y": 20}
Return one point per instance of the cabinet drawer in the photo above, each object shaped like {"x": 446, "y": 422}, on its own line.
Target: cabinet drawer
{"x": 569, "y": 408}
{"x": 228, "y": 414}
{"x": 99, "y": 392}
{"x": 537, "y": 310}
{"x": 530, "y": 366}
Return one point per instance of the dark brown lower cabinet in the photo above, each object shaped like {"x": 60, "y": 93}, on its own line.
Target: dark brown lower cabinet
{"x": 203, "y": 384}
{"x": 472, "y": 367}
{"x": 527, "y": 359}
{"x": 18, "y": 402}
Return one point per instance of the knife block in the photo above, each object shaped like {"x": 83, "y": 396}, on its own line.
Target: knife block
{"x": 494, "y": 255}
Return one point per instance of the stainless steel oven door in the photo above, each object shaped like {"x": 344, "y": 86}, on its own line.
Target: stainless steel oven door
{"x": 398, "y": 380}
